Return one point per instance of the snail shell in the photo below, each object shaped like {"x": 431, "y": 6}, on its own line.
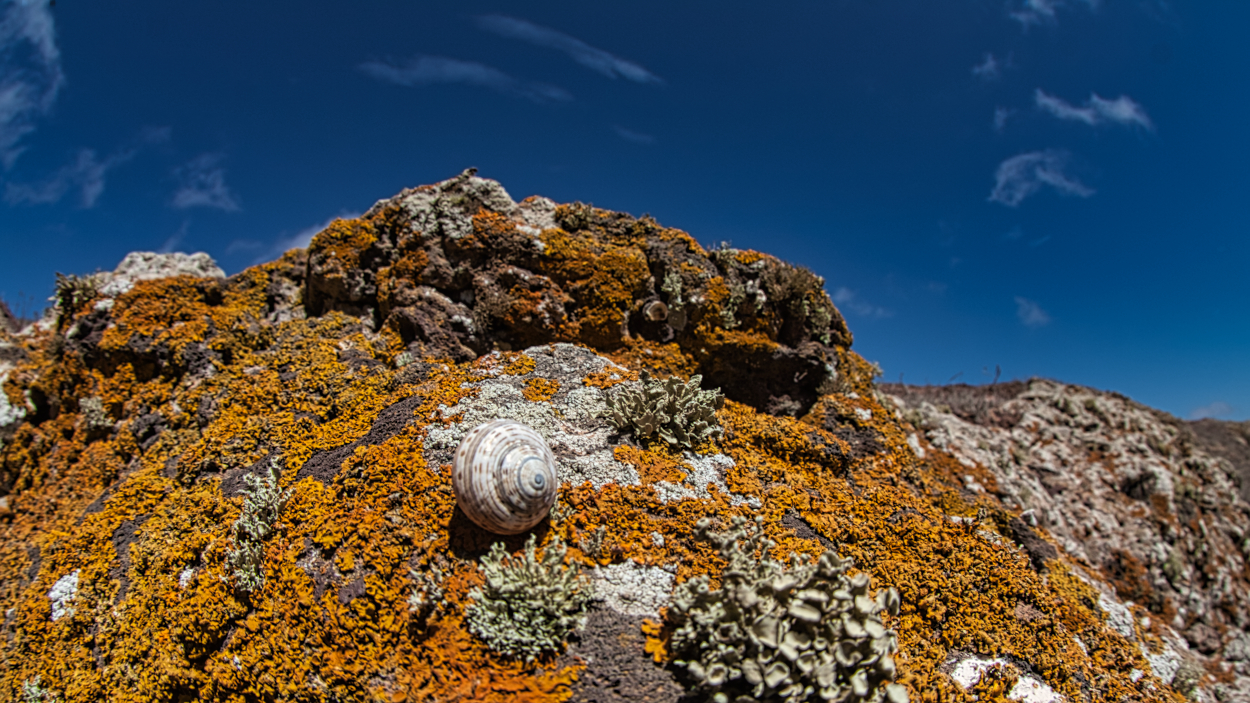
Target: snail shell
{"x": 655, "y": 311}
{"x": 504, "y": 476}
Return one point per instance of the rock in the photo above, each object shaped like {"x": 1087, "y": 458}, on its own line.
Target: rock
{"x": 420, "y": 264}
{"x": 1041, "y": 541}
{"x": 1124, "y": 487}
{"x": 149, "y": 265}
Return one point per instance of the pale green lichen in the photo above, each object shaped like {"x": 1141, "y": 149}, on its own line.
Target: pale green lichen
{"x": 262, "y": 503}
{"x": 95, "y": 418}
{"x": 33, "y": 692}
{"x": 427, "y": 591}
{"x": 675, "y": 411}
{"x": 592, "y": 545}
{"x": 72, "y": 292}
{"x": 672, "y": 287}
{"x": 528, "y": 604}
{"x": 771, "y": 632}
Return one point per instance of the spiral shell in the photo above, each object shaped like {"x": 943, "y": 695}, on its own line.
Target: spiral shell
{"x": 504, "y": 476}
{"x": 655, "y": 311}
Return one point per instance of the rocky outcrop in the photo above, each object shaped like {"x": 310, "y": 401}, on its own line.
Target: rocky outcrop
{"x": 1154, "y": 505}
{"x": 1045, "y": 542}
{"x": 458, "y": 269}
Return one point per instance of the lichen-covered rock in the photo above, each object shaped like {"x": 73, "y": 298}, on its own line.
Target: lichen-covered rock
{"x": 1128, "y": 491}
{"x": 458, "y": 269}
{"x": 772, "y": 632}
{"x": 135, "y": 433}
{"x": 529, "y": 604}
{"x": 671, "y": 410}
{"x": 149, "y": 265}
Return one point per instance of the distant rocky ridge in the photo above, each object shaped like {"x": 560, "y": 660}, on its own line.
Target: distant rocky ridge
{"x": 1157, "y": 505}
{"x": 1049, "y": 542}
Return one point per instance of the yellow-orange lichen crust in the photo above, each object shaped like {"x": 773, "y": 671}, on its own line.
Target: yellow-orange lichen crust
{"x": 156, "y": 617}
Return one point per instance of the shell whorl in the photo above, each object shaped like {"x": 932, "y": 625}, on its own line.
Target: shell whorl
{"x": 504, "y": 476}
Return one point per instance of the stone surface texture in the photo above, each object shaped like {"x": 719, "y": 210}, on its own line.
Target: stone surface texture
{"x": 1047, "y": 542}
{"x": 1153, "y": 505}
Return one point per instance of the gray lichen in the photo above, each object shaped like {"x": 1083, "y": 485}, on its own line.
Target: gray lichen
{"x": 674, "y": 411}
{"x": 34, "y": 692}
{"x": 427, "y": 591}
{"x": 261, "y": 506}
{"x": 95, "y": 418}
{"x": 528, "y": 604}
{"x": 772, "y": 632}
{"x": 72, "y": 292}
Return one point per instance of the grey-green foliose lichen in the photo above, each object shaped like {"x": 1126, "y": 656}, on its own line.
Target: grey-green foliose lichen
{"x": 676, "y": 412}
{"x": 528, "y": 604}
{"x": 803, "y": 633}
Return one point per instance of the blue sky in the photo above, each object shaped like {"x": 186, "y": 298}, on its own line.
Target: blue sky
{"x": 1053, "y": 187}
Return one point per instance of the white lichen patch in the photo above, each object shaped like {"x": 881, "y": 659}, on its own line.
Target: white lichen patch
{"x": 571, "y": 421}
{"x": 967, "y": 671}
{"x": 150, "y": 265}
{"x": 62, "y": 595}
{"x": 633, "y": 589}
{"x": 9, "y": 414}
{"x": 703, "y": 470}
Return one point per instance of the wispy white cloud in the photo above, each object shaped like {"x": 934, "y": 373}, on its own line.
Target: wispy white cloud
{"x": 630, "y": 135}
{"x": 1001, "y": 114}
{"x": 1025, "y": 174}
{"x": 425, "y": 70}
{"x": 847, "y": 299}
{"x": 30, "y": 72}
{"x": 1097, "y": 110}
{"x": 85, "y": 174}
{"x": 202, "y": 183}
{"x": 1218, "y": 409}
{"x": 989, "y": 69}
{"x": 596, "y": 60}
{"x": 1034, "y": 12}
{"x": 1030, "y": 313}
{"x": 175, "y": 240}
{"x": 299, "y": 240}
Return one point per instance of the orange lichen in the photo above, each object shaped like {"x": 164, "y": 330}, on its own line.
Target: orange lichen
{"x": 661, "y": 360}
{"x": 608, "y": 378}
{"x": 157, "y": 616}
{"x": 652, "y": 466}
{"x": 345, "y": 240}
{"x": 603, "y": 279}
{"x": 540, "y": 390}
{"x": 746, "y": 257}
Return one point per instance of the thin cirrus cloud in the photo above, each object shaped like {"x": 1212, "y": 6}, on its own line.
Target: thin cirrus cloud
{"x": 630, "y": 135}
{"x": 427, "y": 70}
{"x": 1031, "y": 12}
{"x": 989, "y": 69}
{"x": 202, "y": 183}
{"x": 85, "y": 174}
{"x": 1001, "y": 115}
{"x": 1214, "y": 410}
{"x": 275, "y": 249}
{"x": 175, "y": 240}
{"x": 1030, "y": 313}
{"x": 847, "y": 299}
{"x": 593, "y": 58}
{"x": 1097, "y": 110}
{"x": 1025, "y": 174}
{"x": 30, "y": 72}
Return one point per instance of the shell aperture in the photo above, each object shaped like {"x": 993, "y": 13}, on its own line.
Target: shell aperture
{"x": 504, "y": 476}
